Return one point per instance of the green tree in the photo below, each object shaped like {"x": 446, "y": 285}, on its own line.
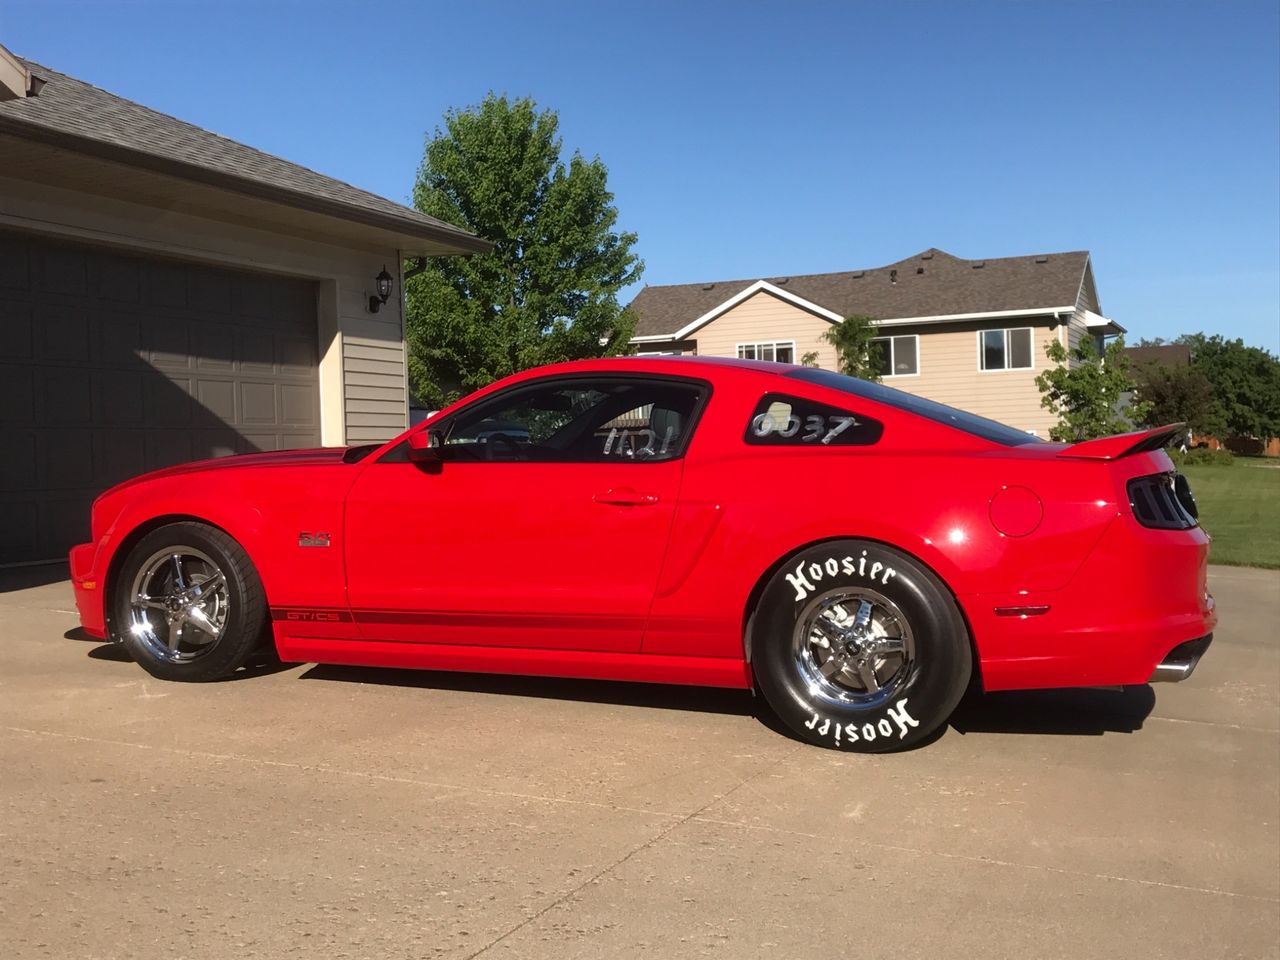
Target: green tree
{"x": 1246, "y": 383}
{"x": 1084, "y": 389}
{"x": 856, "y": 355}
{"x": 1178, "y": 394}
{"x": 548, "y": 291}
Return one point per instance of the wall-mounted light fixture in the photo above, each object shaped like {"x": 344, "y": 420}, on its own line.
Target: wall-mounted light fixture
{"x": 384, "y": 283}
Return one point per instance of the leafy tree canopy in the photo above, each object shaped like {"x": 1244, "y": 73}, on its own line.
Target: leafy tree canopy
{"x": 548, "y": 291}
{"x": 1178, "y": 394}
{"x": 856, "y": 355}
{"x": 1246, "y": 383}
{"x": 1084, "y": 390}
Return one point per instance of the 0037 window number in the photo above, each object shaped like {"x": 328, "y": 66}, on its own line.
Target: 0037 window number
{"x": 817, "y": 428}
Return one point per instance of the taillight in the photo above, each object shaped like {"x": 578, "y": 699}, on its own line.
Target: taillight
{"x": 1163, "y": 501}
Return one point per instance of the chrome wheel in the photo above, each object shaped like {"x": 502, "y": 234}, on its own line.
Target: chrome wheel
{"x": 179, "y": 604}
{"x": 854, "y": 647}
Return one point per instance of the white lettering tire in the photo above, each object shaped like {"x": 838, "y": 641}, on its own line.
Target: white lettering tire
{"x": 858, "y": 646}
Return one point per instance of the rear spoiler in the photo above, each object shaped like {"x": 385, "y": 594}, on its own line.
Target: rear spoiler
{"x": 1124, "y": 444}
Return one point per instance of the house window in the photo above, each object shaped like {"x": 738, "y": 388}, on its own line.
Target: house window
{"x": 1005, "y": 349}
{"x": 898, "y": 356}
{"x": 783, "y": 351}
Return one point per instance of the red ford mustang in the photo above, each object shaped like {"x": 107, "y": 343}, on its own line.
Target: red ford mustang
{"x": 860, "y": 555}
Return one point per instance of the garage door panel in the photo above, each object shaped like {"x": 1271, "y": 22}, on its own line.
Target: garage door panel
{"x": 118, "y": 398}
{"x": 66, "y": 459}
{"x": 62, "y": 333}
{"x": 167, "y": 342}
{"x": 64, "y": 397}
{"x": 258, "y": 402}
{"x": 112, "y": 365}
{"x": 255, "y": 351}
{"x": 214, "y": 346}
{"x": 15, "y": 273}
{"x": 168, "y": 400}
{"x": 259, "y": 442}
{"x": 214, "y": 443}
{"x": 251, "y": 297}
{"x": 15, "y": 330}
{"x": 61, "y": 520}
{"x": 118, "y": 455}
{"x": 116, "y": 339}
{"x": 62, "y": 271}
{"x": 17, "y": 394}
{"x": 295, "y": 305}
{"x": 165, "y": 284}
{"x": 18, "y": 520}
{"x": 209, "y": 290}
{"x": 18, "y": 465}
{"x": 115, "y": 278}
{"x": 298, "y": 405}
{"x": 218, "y": 397}
{"x": 295, "y": 356}
{"x": 167, "y": 447}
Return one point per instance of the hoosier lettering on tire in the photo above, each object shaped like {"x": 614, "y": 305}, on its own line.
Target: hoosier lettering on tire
{"x": 858, "y": 646}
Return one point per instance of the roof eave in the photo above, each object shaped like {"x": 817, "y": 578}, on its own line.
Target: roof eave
{"x": 902, "y": 321}
{"x": 454, "y": 239}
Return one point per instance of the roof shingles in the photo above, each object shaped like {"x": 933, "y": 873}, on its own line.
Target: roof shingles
{"x": 929, "y": 284}
{"x": 71, "y": 109}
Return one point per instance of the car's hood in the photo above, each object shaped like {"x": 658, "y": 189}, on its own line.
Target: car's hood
{"x": 280, "y": 458}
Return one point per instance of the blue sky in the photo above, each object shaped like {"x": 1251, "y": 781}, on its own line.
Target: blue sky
{"x": 748, "y": 139}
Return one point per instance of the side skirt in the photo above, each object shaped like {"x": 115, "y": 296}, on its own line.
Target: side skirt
{"x": 583, "y": 664}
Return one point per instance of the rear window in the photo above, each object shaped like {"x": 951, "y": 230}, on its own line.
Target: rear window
{"x": 780, "y": 420}
{"x": 938, "y": 412}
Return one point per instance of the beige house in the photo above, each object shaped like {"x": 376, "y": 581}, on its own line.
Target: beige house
{"x": 970, "y": 333}
{"x": 167, "y": 294}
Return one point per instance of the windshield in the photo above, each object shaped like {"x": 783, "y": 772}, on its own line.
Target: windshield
{"x": 939, "y": 412}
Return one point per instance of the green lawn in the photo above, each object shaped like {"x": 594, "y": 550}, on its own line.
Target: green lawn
{"x": 1240, "y": 509}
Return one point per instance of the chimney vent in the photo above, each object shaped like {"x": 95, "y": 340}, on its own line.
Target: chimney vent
{"x": 893, "y": 276}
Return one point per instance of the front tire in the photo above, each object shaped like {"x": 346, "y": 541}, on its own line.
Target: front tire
{"x": 187, "y": 603}
{"x": 858, "y": 646}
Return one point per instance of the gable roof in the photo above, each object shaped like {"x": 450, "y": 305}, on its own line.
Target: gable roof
{"x": 930, "y": 284}
{"x": 66, "y": 112}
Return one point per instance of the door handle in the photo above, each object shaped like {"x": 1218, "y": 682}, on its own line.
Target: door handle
{"x": 626, "y": 497}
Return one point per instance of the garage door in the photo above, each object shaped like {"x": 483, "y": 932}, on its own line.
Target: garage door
{"x": 114, "y": 364}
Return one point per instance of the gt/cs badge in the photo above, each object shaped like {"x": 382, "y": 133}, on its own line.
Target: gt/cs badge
{"x": 306, "y": 539}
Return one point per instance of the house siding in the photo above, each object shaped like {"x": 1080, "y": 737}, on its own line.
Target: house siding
{"x": 356, "y": 348}
{"x": 765, "y": 318}
{"x": 949, "y": 372}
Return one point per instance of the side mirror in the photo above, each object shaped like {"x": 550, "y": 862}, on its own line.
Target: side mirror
{"x": 424, "y": 446}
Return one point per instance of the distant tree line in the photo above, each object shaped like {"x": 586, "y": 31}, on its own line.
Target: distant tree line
{"x": 1228, "y": 389}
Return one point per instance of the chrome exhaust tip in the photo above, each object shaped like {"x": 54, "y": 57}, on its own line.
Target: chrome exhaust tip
{"x": 1181, "y": 661}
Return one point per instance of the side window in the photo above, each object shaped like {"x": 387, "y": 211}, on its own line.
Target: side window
{"x": 782, "y": 420}
{"x": 578, "y": 421}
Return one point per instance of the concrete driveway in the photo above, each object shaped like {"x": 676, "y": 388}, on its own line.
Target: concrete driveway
{"x": 326, "y": 812}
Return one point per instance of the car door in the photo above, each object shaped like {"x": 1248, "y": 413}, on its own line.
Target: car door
{"x": 544, "y": 523}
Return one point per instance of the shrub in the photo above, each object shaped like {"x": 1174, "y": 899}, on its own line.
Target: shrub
{"x": 1202, "y": 457}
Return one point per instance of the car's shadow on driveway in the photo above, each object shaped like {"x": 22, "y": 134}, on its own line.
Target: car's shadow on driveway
{"x": 662, "y": 696}
{"x": 1072, "y": 712}
{"x": 260, "y": 664}
{"x": 1089, "y": 711}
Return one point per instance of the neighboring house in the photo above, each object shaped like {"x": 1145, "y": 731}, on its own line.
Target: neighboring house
{"x": 167, "y": 294}
{"x": 970, "y": 333}
{"x": 1165, "y": 354}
